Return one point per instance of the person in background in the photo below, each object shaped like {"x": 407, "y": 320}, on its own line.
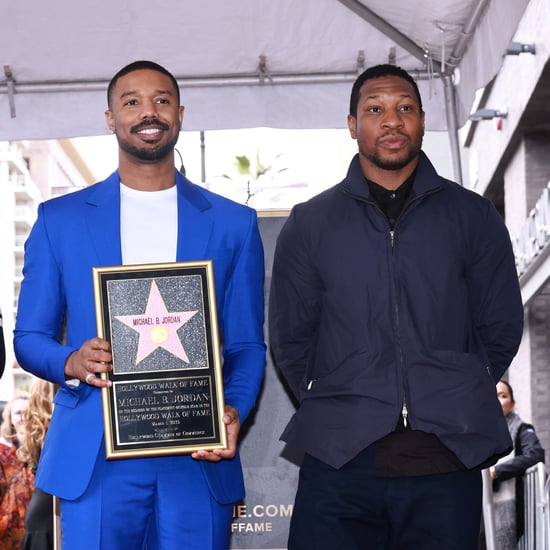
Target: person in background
{"x": 145, "y": 212}
{"x": 395, "y": 307}
{"x": 39, "y": 516}
{"x": 2, "y": 347}
{"x": 16, "y": 480}
{"x": 16, "y": 531}
{"x": 11, "y": 436}
{"x": 11, "y": 429}
{"x": 507, "y": 473}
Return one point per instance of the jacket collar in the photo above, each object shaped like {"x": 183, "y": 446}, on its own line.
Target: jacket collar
{"x": 426, "y": 179}
{"x": 194, "y": 227}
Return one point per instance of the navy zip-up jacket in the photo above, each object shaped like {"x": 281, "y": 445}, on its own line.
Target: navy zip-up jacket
{"x": 364, "y": 321}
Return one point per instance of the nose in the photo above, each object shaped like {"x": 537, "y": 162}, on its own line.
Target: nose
{"x": 392, "y": 118}
{"x": 148, "y": 110}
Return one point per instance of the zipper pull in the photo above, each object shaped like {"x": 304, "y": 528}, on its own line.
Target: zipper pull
{"x": 404, "y": 414}
{"x": 311, "y": 382}
{"x": 391, "y": 237}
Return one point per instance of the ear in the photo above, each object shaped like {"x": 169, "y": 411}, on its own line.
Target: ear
{"x": 110, "y": 120}
{"x": 352, "y": 126}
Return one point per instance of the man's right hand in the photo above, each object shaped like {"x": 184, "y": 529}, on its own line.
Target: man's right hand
{"x": 94, "y": 357}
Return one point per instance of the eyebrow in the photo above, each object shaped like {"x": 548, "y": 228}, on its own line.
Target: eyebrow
{"x": 136, "y": 92}
{"x": 377, "y": 95}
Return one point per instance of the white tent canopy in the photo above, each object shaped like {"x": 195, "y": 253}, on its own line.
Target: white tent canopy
{"x": 243, "y": 63}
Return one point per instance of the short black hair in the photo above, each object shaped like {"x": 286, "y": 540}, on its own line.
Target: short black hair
{"x": 138, "y": 66}
{"x": 378, "y": 71}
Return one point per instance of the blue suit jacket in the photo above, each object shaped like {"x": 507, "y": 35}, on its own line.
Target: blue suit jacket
{"x": 81, "y": 230}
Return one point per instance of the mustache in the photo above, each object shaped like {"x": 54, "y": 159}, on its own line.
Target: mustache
{"x": 149, "y": 122}
{"x": 393, "y": 133}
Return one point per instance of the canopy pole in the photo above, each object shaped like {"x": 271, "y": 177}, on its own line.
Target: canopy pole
{"x": 452, "y": 126}
{"x": 203, "y": 157}
{"x": 10, "y": 81}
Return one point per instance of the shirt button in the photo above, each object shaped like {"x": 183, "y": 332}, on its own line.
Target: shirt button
{"x": 392, "y": 196}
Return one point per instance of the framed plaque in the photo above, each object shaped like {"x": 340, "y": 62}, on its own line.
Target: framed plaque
{"x": 167, "y": 389}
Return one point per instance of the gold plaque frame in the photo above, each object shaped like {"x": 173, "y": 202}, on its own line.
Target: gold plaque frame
{"x": 167, "y": 388}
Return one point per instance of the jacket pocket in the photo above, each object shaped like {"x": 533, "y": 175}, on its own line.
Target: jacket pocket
{"x": 66, "y": 398}
{"x": 451, "y": 391}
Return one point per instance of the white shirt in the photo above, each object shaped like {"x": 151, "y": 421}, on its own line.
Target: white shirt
{"x": 148, "y": 225}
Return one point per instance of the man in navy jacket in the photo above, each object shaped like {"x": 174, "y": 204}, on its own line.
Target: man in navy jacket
{"x": 394, "y": 308}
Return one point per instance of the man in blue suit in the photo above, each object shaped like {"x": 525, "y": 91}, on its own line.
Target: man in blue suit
{"x": 145, "y": 212}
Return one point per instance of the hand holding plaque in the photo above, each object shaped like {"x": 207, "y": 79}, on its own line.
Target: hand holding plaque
{"x": 166, "y": 395}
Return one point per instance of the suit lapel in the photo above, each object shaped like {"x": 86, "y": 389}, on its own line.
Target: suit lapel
{"x": 194, "y": 225}
{"x": 103, "y": 220}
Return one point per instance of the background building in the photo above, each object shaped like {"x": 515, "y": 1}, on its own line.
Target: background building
{"x": 30, "y": 171}
{"x": 509, "y": 159}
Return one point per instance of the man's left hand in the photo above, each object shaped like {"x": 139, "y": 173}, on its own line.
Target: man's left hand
{"x": 233, "y": 426}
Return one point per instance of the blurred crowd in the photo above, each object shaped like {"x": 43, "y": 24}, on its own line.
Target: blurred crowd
{"x": 26, "y": 514}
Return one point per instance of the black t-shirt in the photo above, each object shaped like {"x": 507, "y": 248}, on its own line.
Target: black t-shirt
{"x": 392, "y": 201}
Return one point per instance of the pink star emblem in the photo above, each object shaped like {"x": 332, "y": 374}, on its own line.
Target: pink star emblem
{"x": 158, "y": 327}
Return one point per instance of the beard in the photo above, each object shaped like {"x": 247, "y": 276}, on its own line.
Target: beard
{"x": 391, "y": 162}
{"x": 149, "y": 153}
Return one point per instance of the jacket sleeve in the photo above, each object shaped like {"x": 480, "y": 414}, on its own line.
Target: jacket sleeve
{"x": 495, "y": 296}
{"x": 41, "y": 308}
{"x": 528, "y": 453}
{"x": 294, "y": 303}
{"x": 242, "y": 322}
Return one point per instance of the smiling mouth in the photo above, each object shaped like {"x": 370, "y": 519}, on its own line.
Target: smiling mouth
{"x": 149, "y": 131}
{"x": 150, "y": 128}
{"x": 150, "y": 134}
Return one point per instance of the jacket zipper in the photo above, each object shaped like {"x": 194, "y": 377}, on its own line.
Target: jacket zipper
{"x": 404, "y": 408}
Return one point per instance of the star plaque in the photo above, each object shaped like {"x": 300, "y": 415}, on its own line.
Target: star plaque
{"x": 157, "y": 327}
{"x": 167, "y": 395}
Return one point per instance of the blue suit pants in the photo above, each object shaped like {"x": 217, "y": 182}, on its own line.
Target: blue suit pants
{"x": 161, "y": 502}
